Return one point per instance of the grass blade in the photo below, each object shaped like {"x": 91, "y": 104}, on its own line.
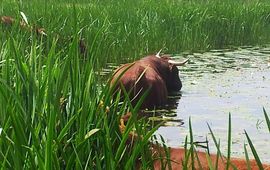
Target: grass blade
{"x": 259, "y": 163}
{"x": 247, "y": 158}
{"x": 229, "y": 142}
{"x": 191, "y": 144}
{"x": 266, "y": 119}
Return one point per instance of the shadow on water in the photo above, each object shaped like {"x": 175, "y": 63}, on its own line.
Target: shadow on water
{"x": 167, "y": 116}
{"x": 216, "y": 83}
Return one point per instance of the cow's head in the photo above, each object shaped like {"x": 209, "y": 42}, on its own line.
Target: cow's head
{"x": 171, "y": 77}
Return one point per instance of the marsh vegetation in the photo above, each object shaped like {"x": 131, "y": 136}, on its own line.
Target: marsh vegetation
{"x": 55, "y": 107}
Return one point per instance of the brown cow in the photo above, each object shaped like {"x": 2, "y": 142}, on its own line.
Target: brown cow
{"x": 157, "y": 73}
{"x": 9, "y": 21}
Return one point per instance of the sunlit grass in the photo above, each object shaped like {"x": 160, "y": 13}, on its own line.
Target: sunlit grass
{"x": 56, "y": 114}
{"x": 130, "y": 29}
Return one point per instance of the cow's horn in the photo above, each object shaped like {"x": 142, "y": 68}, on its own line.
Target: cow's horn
{"x": 178, "y": 63}
{"x": 158, "y": 54}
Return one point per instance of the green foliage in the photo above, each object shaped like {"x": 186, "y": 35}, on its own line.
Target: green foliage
{"x": 55, "y": 111}
{"x": 129, "y": 29}
{"x": 254, "y": 152}
{"x": 229, "y": 142}
{"x": 266, "y": 119}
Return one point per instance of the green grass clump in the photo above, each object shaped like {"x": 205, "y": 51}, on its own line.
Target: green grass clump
{"x": 55, "y": 113}
{"x": 130, "y": 29}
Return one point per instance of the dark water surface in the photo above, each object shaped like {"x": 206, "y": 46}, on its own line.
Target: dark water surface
{"x": 215, "y": 84}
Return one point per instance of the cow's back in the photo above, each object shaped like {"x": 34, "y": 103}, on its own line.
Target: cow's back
{"x": 137, "y": 78}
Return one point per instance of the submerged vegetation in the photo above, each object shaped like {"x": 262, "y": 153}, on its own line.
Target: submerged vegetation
{"x": 55, "y": 110}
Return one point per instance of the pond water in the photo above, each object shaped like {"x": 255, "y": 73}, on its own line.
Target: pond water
{"x": 215, "y": 84}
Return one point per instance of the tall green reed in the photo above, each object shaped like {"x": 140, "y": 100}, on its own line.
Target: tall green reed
{"x": 131, "y": 29}
{"x": 191, "y": 153}
{"x": 252, "y": 147}
{"x": 55, "y": 111}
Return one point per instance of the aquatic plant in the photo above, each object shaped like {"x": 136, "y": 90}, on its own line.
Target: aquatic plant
{"x": 56, "y": 112}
